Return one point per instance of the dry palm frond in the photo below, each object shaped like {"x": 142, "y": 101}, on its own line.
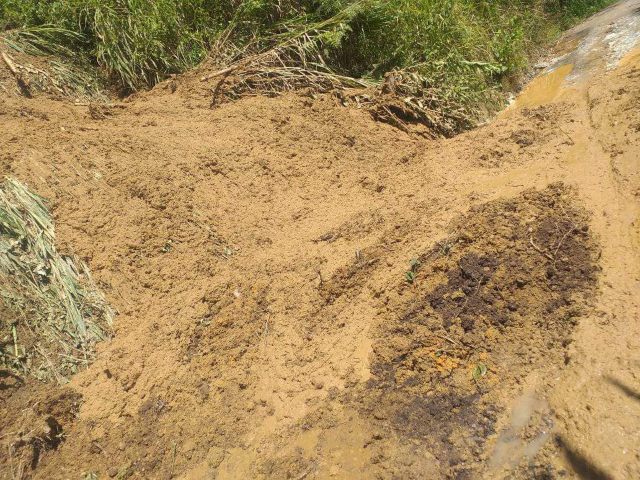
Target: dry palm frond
{"x": 407, "y": 97}
{"x": 278, "y": 71}
{"x": 59, "y": 313}
{"x": 402, "y": 97}
{"x": 296, "y": 63}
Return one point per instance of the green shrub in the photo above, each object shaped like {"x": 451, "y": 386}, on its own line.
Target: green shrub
{"x": 568, "y": 12}
{"x": 468, "y": 47}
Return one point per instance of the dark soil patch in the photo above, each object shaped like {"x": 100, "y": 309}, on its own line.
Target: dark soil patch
{"x": 37, "y": 425}
{"x": 496, "y": 300}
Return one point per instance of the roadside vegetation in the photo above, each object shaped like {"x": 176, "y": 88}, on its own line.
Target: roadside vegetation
{"x": 462, "y": 53}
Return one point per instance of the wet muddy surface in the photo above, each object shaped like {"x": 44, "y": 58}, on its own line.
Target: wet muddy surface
{"x": 305, "y": 293}
{"x": 498, "y": 297}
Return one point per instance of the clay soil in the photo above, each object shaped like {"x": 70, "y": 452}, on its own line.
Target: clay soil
{"x": 304, "y": 292}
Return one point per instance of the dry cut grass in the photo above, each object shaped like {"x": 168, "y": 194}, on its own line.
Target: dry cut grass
{"x": 57, "y": 314}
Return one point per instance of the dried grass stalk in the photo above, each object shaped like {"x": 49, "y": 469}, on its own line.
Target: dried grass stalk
{"x": 58, "y": 314}
{"x": 402, "y": 98}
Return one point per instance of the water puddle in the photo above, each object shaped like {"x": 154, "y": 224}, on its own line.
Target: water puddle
{"x": 598, "y": 45}
{"x": 543, "y": 88}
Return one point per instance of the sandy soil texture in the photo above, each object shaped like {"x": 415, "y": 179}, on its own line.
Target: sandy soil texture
{"x": 305, "y": 293}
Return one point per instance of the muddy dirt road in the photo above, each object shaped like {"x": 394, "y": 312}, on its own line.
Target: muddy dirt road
{"x": 305, "y": 293}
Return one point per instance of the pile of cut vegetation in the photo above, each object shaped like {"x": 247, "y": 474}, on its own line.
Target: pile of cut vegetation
{"x": 53, "y": 312}
{"x": 29, "y": 67}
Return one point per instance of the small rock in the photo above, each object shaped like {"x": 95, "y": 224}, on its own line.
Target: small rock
{"x": 215, "y": 456}
{"x": 406, "y": 460}
{"x": 204, "y": 390}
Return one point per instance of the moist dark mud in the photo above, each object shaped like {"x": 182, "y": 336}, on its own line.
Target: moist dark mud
{"x": 497, "y": 298}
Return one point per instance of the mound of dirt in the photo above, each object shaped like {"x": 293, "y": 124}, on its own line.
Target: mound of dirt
{"x": 271, "y": 321}
{"x": 496, "y": 299}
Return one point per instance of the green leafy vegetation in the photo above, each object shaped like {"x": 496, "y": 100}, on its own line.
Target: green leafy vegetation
{"x": 410, "y": 275}
{"x": 569, "y": 12}
{"x": 465, "y": 49}
{"x": 479, "y": 371}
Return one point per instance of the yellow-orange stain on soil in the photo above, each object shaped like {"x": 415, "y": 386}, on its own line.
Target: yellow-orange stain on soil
{"x": 630, "y": 59}
{"x": 444, "y": 363}
{"x": 544, "y": 88}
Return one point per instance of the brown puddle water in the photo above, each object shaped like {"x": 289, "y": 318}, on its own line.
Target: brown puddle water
{"x": 543, "y": 88}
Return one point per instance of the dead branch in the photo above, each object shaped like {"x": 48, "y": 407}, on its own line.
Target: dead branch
{"x": 220, "y": 72}
{"x": 22, "y": 83}
{"x": 10, "y": 64}
{"x": 539, "y": 250}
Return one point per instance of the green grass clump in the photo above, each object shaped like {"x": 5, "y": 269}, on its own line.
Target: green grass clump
{"x": 57, "y": 312}
{"x": 569, "y": 12}
{"x": 468, "y": 48}
{"x": 134, "y": 42}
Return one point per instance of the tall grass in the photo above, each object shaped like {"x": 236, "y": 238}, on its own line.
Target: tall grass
{"x": 465, "y": 46}
{"x": 568, "y": 12}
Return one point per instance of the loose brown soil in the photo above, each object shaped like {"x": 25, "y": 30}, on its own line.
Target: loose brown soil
{"x": 304, "y": 292}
